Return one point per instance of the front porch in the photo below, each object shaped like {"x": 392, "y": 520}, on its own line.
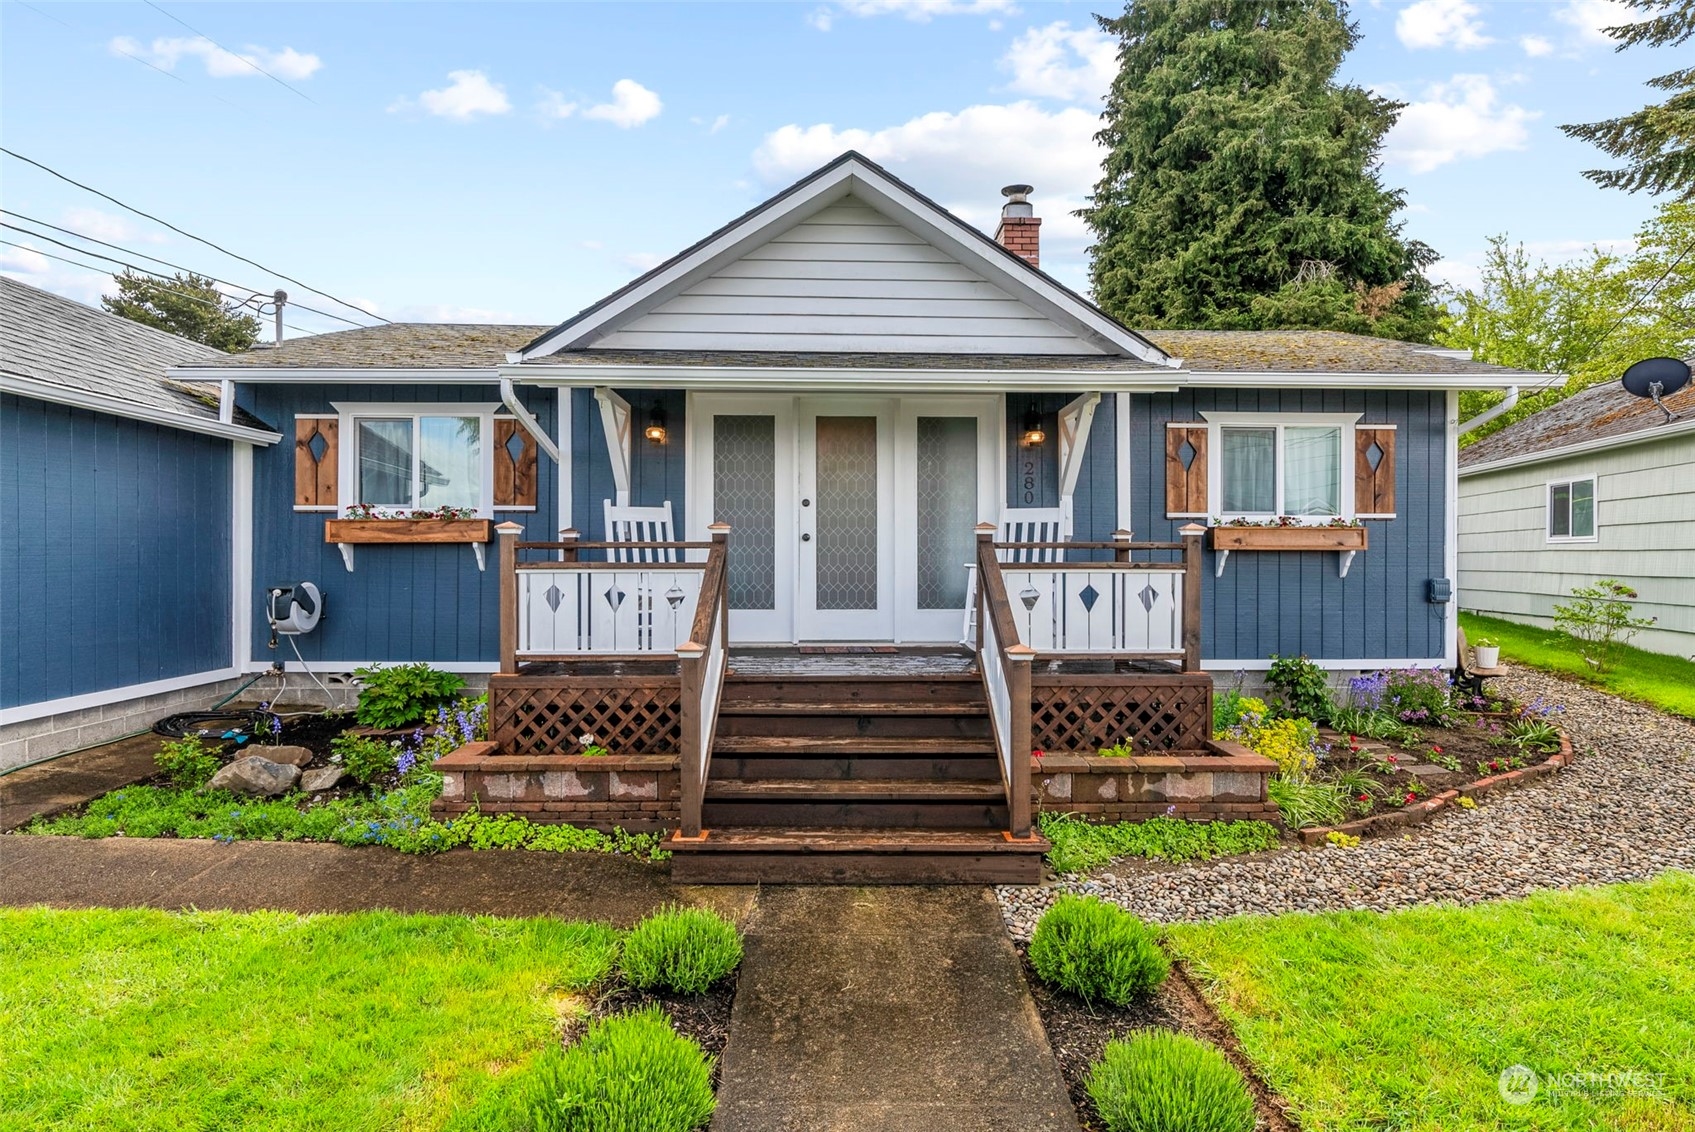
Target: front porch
{"x": 866, "y": 762}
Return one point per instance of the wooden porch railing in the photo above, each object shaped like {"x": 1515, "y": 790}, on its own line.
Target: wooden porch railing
{"x": 1119, "y": 610}
{"x": 702, "y": 660}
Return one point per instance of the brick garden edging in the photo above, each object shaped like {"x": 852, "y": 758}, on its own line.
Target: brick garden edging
{"x": 1420, "y": 812}
{"x": 1228, "y": 783}
{"x": 639, "y": 793}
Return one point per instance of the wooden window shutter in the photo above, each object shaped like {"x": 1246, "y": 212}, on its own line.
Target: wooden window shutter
{"x": 515, "y": 464}
{"x": 1185, "y": 470}
{"x": 315, "y": 463}
{"x": 1374, "y": 472}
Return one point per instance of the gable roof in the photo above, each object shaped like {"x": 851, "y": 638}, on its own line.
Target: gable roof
{"x": 57, "y": 349}
{"x": 1602, "y": 416}
{"x": 851, "y": 174}
{"x": 396, "y": 345}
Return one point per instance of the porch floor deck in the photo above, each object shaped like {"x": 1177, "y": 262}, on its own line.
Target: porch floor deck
{"x": 834, "y": 662}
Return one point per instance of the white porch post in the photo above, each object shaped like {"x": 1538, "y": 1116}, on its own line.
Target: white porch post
{"x": 615, "y": 422}
{"x": 1075, "y": 421}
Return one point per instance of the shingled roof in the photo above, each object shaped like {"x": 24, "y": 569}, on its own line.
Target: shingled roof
{"x": 51, "y": 339}
{"x": 1599, "y": 413}
{"x": 1311, "y": 351}
{"x": 397, "y": 345}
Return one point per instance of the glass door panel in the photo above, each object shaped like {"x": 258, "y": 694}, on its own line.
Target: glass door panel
{"x": 947, "y": 471}
{"x": 844, "y": 520}
{"x": 741, "y": 472}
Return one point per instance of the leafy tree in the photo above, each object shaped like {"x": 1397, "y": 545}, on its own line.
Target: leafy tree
{"x": 1657, "y": 143}
{"x": 1240, "y": 188}
{"x": 1589, "y": 319}
{"x": 189, "y": 305}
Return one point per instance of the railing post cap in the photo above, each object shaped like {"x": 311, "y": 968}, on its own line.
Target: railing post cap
{"x": 509, "y": 528}
{"x": 1192, "y": 530}
{"x": 1020, "y": 652}
{"x": 1121, "y": 535}
{"x": 986, "y": 530}
{"x": 570, "y": 533}
{"x": 718, "y": 528}
{"x": 690, "y": 648}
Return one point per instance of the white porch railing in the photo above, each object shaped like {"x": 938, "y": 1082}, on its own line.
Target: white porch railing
{"x": 588, "y": 609}
{"x": 1098, "y": 608}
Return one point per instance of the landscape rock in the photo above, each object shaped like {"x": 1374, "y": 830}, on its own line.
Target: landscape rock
{"x": 255, "y": 774}
{"x": 321, "y": 778}
{"x": 288, "y": 756}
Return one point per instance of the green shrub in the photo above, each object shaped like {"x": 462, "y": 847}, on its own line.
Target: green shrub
{"x": 1078, "y": 844}
{"x": 1299, "y": 688}
{"x": 1233, "y": 708}
{"x": 365, "y": 759}
{"x": 1303, "y": 802}
{"x": 402, "y": 693}
{"x": 1161, "y": 1081}
{"x": 1602, "y": 619}
{"x": 629, "y": 1073}
{"x": 684, "y": 950}
{"x": 1097, "y": 951}
{"x": 186, "y": 762}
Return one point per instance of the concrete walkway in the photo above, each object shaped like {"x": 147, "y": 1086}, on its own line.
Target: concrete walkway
{"x": 887, "y": 1009}
{"x": 70, "y": 780}
{"x": 67, "y": 872}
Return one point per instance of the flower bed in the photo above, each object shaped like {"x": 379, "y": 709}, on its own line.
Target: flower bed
{"x": 1227, "y": 783}
{"x": 638, "y": 793}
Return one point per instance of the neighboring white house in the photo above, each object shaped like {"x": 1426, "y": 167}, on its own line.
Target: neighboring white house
{"x": 1600, "y": 485}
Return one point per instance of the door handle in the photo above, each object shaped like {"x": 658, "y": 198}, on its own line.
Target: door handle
{"x": 805, "y": 538}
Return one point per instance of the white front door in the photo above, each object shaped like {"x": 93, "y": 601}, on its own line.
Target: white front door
{"x": 851, "y": 517}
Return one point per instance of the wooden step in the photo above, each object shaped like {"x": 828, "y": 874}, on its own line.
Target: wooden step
{"x": 971, "y": 768}
{"x": 868, "y": 723}
{"x": 853, "y": 707}
{"x": 732, "y": 855}
{"x": 851, "y": 790}
{"x": 836, "y": 745}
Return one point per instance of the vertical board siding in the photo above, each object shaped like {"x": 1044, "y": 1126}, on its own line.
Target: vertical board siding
{"x": 1291, "y": 603}
{"x": 1032, "y": 474}
{"x": 401, "y": 602}
{"x": 115, "y": 558}
{"x": 657, "y": 471}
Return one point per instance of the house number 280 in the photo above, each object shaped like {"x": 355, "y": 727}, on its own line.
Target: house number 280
{"x": 1029, "y": 481}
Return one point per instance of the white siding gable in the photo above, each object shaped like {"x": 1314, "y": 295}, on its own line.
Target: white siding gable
{"x": 847, "y": 278}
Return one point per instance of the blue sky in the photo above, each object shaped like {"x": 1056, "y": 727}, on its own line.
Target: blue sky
{"x": 515, "y": 162}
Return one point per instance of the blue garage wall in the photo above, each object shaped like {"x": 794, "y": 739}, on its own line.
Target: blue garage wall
{"x": 114, "y": 552}
{"x": 401, "y": 603}
{"x": 1291, "y": 603}
{"x": 657, "y": 471}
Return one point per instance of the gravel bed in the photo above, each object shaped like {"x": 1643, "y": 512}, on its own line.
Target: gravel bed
{"x": 1622, "y": 812}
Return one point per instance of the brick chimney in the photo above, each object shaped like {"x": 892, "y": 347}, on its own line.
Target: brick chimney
{"x": 1020, "y": 229}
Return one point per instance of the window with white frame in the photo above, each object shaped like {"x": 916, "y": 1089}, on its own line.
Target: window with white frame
{"x": 1272, "y": 464}
{"x": 1571, "y": 510}
{"x": 402, "y": 458}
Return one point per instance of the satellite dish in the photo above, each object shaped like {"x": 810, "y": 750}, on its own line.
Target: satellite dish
{"x": 1656, "y": 378}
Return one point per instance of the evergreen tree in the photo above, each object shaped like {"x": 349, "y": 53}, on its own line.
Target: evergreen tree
{"x": 189, "y": 305}
{"x": 1657, "y": 143}
{"x": 1240, "y": 188}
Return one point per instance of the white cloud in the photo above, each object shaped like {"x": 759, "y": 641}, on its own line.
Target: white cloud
{"x": 1587, "y": 18}
{"x": 554, "y": 105}
{"x": 98, "y": 225}
{"x": 448, "y": 312}
{"x": 469, "y": 94}
{"x": 1465, "y": 271}
{"x": 1062, "y": 62}
{"x": 718, "y": 123}
{"x": 962, "y": 159}
{"x": 1536, "y": 46}
{"x": 821, "y": 18}
{"x": 30, "y": 266}
{"x": 1460, "y": 118}
{"x": 642, "y": 262}
{"x": 925, "y": 10}
{"x": 1441, "y": 23}
{"x": 631, "y": 105}
{"x": 166, "y": 53}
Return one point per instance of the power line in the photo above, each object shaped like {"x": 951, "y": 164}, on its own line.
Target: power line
{"x": 1640, "y": 299}
{"x": 161, "y": 279}
{"x": 227, "y": 51}
{"x": 131, "y": 55}
{"x": 190, "y": 235}
{"x": 154, "y": 258}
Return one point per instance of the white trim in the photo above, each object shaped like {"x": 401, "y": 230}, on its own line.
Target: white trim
{"x": 1218, "y": 421}
{"x": 615, "y": 426}
{"x": 131, "y": 410}
{"x": 1642, "y": 436}
{"x": 1075, "y": 421}
{"x": 347, "y": 446}
{"x": 1217, "y": 667}
{"x": 25, "y": 712}
{"x": 563, "y": 484}
{"x": 340, "y": 666}
{"x": 1451, "y": 530}
{"x": 1549, "y": 538}
{"x": 851, "y": 175}
{"x": 339, "y": 375}
{"x": 241, "y": 553}
{"x": 1121, "y": 434}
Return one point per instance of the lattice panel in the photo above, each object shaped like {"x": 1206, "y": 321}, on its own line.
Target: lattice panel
{"x": 1085, "y": 718}
{"x": 625, "y": 720}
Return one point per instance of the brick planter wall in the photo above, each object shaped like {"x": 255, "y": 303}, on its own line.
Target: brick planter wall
{"x": 639, "y": 793}
{"x": 1225, "y": 782}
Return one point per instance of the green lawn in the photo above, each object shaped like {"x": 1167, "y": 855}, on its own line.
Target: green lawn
{"x": 1666, "y": 682}
{"x": 1406, "y": 1021}
{"x": 215, "y": 1020}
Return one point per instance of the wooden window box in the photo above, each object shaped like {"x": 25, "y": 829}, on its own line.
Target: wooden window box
{"x": 1346, "y": 541}
{"x": 346, "y": 533}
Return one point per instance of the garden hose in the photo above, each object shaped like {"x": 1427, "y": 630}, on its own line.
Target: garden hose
{"x": 238, "y": 725}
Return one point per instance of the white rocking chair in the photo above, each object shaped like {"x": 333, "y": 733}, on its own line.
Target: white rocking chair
{"x": 1018, "y": 524}
{"x": 639, "y": 524}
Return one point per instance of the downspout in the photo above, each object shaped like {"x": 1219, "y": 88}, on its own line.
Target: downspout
{"x": 509, "y": 398}
{"x": 1505, "y": 405}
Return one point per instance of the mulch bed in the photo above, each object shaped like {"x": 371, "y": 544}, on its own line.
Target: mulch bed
{"x": 1078, "y": 1034}
{"x": 704, "y": 1017}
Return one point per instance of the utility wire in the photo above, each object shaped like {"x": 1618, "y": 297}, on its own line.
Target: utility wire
{"x": 227, "y": 51}
{"x": 131, "y": 55}
{"x": 190, "y": 235}
{"x": 162, "y": 279}
{"x": 1640, "y": 299}
{"x": 154, "y": 258}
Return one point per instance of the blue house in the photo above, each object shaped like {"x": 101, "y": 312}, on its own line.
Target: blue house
{"x": 118, "y": 490}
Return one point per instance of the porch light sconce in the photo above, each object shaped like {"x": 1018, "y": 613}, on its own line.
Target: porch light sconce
{"x": 1034, "y": 434}
{"x": 655, "y": 430}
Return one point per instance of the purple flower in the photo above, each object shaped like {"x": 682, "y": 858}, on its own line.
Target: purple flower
{"x": 1171, "y": 811}
{"x": 406, "y": 761}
